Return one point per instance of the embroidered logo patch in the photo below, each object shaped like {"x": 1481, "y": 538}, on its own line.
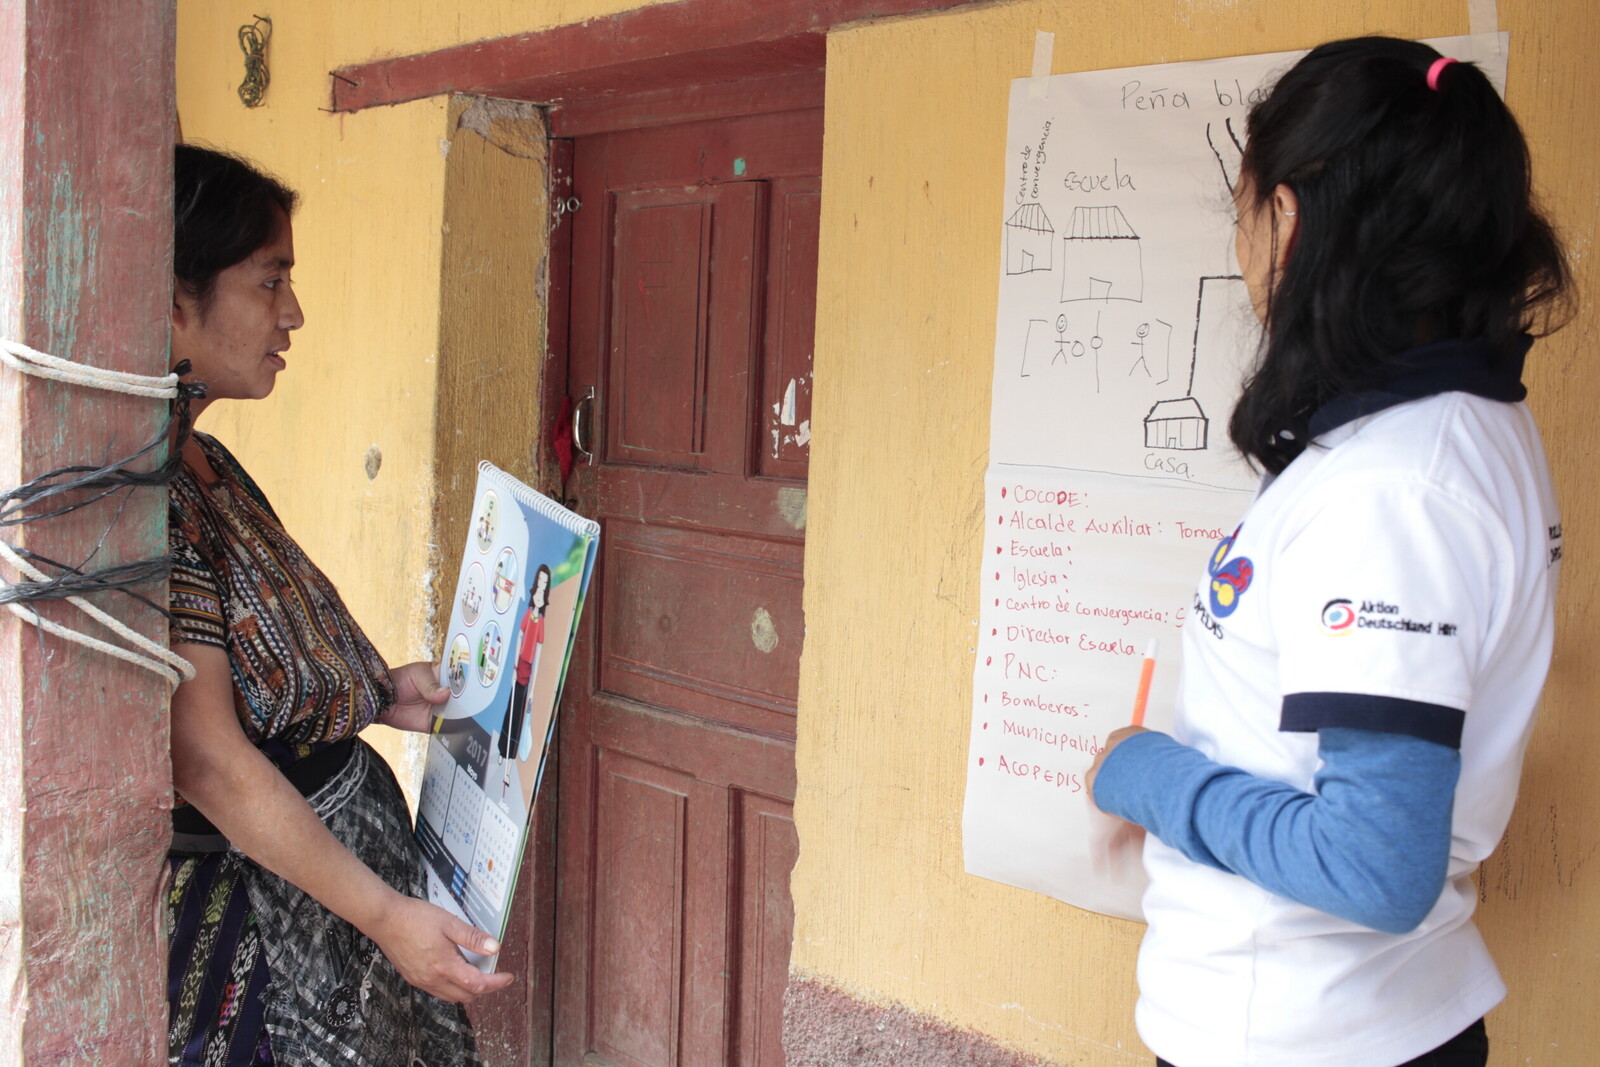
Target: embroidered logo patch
{"x": 1229, "y": 577}
{"x": 1338, "y": 617}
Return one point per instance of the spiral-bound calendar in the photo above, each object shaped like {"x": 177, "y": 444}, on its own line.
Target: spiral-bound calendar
{"x": 525, "y": 571}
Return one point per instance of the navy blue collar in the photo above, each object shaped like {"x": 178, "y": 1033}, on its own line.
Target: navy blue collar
{"x": 1441, "y": 367}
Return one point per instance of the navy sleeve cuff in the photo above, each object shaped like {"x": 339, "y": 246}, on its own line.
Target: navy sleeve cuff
{"x": 1310, "y": 712}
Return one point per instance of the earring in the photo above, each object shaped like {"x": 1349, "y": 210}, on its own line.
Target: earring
{"x": 1291, "y": 214}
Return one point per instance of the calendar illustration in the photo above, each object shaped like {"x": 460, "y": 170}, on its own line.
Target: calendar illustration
{"x": 494, "y": 855}
{"x": 525, "y": 571}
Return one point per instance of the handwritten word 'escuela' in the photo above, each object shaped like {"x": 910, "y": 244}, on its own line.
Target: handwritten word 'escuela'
{"x": 1228, "y": 92}
{"x": 1081, "y": 182}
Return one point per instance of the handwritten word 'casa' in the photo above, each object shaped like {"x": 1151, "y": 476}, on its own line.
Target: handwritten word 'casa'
{"x": 1168, "y": 465}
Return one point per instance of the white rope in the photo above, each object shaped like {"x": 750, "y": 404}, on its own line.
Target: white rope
{"x": 169, "y": 665}
{"x": 43, "y": 365}
{"x": 172, "y": 667}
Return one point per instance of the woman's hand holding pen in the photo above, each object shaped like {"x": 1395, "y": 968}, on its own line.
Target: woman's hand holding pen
{"x": 1115, "y": 738}
{"x": 417, "y": 696}
{"x": 1114, "y": 843}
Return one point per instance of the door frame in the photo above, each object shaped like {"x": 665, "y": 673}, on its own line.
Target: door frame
{"x": 666, "y": 63}
{"x": 526, "y": 1022}
{"x": 661, "y": 46}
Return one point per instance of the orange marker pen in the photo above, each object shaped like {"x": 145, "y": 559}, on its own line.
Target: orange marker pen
{"x": 1146, "y": 672}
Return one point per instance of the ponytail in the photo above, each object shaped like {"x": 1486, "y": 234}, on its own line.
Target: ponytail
{"x": 1416, "y": 224}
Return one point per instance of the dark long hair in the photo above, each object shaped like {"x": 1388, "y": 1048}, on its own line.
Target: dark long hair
{"x": 1416, "y": 224}
{"x": 223, "y": 209}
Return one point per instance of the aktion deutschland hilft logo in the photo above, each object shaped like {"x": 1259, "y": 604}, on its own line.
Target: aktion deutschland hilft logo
{"x": 1338, "y": 617}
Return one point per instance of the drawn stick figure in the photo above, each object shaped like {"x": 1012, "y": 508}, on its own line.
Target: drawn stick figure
{"x": 1139, "y": 335}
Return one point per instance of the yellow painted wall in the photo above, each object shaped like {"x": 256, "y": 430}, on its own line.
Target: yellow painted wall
{"x": 912, "y": 181}
{"x": 361, "y": 373}
{"x": 913, "y": 170}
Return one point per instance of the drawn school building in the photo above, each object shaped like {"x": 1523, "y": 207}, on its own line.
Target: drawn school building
{"x": 722, "y": 274}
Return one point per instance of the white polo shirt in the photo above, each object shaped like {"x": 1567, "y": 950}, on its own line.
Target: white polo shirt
{"x": 1408, "y": 555}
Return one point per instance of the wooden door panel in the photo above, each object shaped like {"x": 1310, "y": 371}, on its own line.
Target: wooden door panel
{"x": 690, "y": 912}
{"x": 663, "y": 267}
{"x": 713, "y": 625}
{"x": 767, "y": 850}
{"x": 680, "y": 329}
{"x": 640, "y": 831}
{"x": 784, "y": 451}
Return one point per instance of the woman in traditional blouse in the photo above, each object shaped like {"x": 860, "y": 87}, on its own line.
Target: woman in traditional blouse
{"x": 297, "y": 932}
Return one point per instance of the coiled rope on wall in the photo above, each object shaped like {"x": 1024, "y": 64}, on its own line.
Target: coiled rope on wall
{"x": 253, "y": 40}
{"x": 95, "y": 483}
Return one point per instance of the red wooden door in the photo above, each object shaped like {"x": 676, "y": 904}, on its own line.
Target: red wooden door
{"x": 692, "y": 308}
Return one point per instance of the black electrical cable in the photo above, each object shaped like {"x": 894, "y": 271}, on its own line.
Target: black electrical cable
{"x": 99, "y": 483}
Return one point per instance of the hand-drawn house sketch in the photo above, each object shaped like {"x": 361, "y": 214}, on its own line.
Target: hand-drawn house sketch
{"x": 1030, "y": 240}
{"x": 1176, "y": 424}
{"x": 1102, "y": 259}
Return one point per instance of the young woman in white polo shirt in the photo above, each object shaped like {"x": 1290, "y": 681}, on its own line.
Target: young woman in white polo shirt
{"x": 1352, "y": 717}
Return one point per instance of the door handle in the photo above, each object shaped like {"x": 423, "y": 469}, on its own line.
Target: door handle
{"x": 583, "y": 427}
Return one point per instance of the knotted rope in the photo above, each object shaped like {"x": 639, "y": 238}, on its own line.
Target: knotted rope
{"x": 99, "y": 482}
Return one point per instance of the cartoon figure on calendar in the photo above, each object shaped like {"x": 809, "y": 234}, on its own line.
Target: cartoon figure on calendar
{"x": 514, "y": 741}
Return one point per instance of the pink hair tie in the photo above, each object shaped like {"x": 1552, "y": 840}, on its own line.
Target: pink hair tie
{"x": 1433, "y": 71}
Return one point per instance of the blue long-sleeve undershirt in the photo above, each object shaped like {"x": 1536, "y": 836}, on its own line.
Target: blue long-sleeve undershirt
{"x": 1371, "y": 845}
